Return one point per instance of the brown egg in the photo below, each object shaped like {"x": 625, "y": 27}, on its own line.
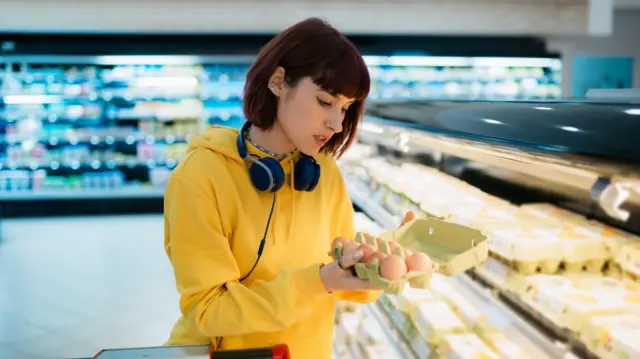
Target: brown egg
{"x": 393, "y": 267}
{"x": 407, "y": 253}
{"x": 376, "y": 255}
{"x": 419, "y": 262}
{"x": 367, "y": 251}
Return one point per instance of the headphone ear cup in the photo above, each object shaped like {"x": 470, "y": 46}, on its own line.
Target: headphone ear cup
{"x": 307, "y": 174}
{"x": 265, "y": 169}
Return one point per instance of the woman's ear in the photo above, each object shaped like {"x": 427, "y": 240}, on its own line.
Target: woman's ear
{"x": 277, "y": 83}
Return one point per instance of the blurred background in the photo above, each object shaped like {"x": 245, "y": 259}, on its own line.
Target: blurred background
{"x": 98, "y": 100}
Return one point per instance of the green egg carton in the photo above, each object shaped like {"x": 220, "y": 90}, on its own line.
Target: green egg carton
{"x": 452, "y": 247}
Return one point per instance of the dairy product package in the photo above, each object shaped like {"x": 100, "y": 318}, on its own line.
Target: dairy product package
{"x": 614, "y": 336}
{"x": 528, "y": 250}
{"x": 573, "y": 308}
{"x": 580, "y": 248}
{"x": 433, "y": 320}
{"x": 348, "y": 327}
{"x": 502, "y": 275}
{"x": 546, "y": 283}
{"x": 629, "y": 258}
{"x": 411, "y": 297}
{"x": 550, "y": 211}
{"x": 389, "y": 304}
{"x": 470, "y": 316}
{"x": 465, "y": 346}
{"x": 503, "y": 346}
{"x": 606, "y": 285}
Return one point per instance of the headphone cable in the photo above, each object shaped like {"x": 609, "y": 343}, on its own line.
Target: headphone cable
{"x": 263, "y": 241}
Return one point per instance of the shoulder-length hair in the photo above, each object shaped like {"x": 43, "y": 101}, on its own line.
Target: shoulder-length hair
{"x": 311, "y": 48}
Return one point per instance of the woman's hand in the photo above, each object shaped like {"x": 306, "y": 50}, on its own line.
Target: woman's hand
{"x": 408, "y": 217}
{"x": 337, "y": 274}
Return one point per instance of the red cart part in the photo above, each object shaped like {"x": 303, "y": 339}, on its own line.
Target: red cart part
{"x": 280, "y": 351}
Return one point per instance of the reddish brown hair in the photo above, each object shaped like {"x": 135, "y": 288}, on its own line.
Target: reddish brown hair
{"x": 311, "y": 48}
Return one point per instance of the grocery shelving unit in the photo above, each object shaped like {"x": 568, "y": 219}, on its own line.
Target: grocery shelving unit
{"x": 525, "y": 334}
{"x": 75, "y": 126}
{"x": 577, "y": 155}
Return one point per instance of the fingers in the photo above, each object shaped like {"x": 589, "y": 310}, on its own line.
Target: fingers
{"x": 351, "y": 248}
{"x": 409, "y": 216}
{"x": 349, "y": 260}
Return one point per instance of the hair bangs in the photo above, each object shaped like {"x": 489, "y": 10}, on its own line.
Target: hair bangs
{"x": 345, "y": 75}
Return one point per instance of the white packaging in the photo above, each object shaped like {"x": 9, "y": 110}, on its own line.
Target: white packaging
{"x": 435, "y": 319}
{"x": 465, "y": 346}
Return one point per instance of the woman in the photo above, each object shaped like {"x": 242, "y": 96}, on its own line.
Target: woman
{"x": 250, "y": 215}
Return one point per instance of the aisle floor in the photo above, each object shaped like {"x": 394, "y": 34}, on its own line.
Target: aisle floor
{"x": 70, "y": 287}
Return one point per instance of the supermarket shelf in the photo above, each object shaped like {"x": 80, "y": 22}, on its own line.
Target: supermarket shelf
{"x": 569, "y": 145}
{"x": 515, "y": 302}
{"x": 526, "y": 335}
{"x": 377, "y": 213}
{"x": 395, "y": 338}
{"x": 128, "y": 192}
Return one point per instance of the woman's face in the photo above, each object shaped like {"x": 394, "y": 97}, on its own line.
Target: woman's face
{"x": 309, "y": 116}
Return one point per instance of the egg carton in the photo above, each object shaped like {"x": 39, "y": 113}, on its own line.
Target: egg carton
{"x": 552, "y": 266}
{"x": 453, "y": 249}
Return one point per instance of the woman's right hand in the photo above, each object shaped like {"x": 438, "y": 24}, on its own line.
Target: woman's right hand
{"x": 336, "y": 278}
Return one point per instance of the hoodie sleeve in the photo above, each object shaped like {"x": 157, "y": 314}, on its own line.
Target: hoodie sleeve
{"x": 346, "y": 228}
{"x": 211, "y": 297}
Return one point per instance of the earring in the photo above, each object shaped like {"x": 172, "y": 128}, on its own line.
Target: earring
{"x": 272, "y": 87}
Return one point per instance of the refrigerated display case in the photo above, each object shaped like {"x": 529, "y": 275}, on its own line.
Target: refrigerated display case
{"x": 90, "y": 127}
{"x": 555, "y": 185}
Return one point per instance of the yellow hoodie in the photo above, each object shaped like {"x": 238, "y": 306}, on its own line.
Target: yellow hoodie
{"x": 214, "y": 221}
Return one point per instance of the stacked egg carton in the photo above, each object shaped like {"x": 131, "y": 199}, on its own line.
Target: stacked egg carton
{"x": 436, "y": 322}
{"x": 572, "y": 303}
{"x": 535, "y": 238}
{"x": 359, "y": 335}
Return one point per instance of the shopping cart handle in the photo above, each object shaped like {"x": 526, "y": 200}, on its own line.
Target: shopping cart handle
{"x": 276, "y": 352}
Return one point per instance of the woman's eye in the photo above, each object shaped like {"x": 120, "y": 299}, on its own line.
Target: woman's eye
{"x": 324, "y": 103}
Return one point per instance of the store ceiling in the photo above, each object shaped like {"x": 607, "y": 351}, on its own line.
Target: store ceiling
{"x": 425, "y": 17}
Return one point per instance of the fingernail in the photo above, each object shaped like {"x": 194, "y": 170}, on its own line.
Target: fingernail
{"x": 358, "y": 255}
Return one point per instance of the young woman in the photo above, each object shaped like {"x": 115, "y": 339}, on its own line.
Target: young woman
{"x": 250, "y": 215}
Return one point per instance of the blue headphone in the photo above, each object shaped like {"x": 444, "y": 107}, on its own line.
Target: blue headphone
{"x": 267, "y": 174}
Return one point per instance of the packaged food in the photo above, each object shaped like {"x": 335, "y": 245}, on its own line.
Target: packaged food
{"x": 503, "y": 346}
{"x": 451, "y": 248}
{"x": 465, "y": 346}
{"x": 613, "y": 336}
{"x": 434, "y": 320}
{"x": 411, "y": 297}
{"x": 471, "y": 317}
{"x": 580, "y": 248}
{"x": 573, "y": 308}
{"x": 528, "y": 250}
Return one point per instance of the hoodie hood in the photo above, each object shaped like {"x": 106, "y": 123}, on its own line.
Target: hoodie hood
{"x": 223, "y": 140}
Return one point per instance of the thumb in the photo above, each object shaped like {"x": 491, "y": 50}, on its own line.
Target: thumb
{"x": 352, "y": 259}
{"x": 408, "y": 217}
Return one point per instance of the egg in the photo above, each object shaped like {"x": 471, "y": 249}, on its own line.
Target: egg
{"x": 376, "y": 255}
{"x": 419, "y": 262}
{"x": 393, "y": 267}
{"x": 407, "y": 253}
{"x": 367, "y": 250}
